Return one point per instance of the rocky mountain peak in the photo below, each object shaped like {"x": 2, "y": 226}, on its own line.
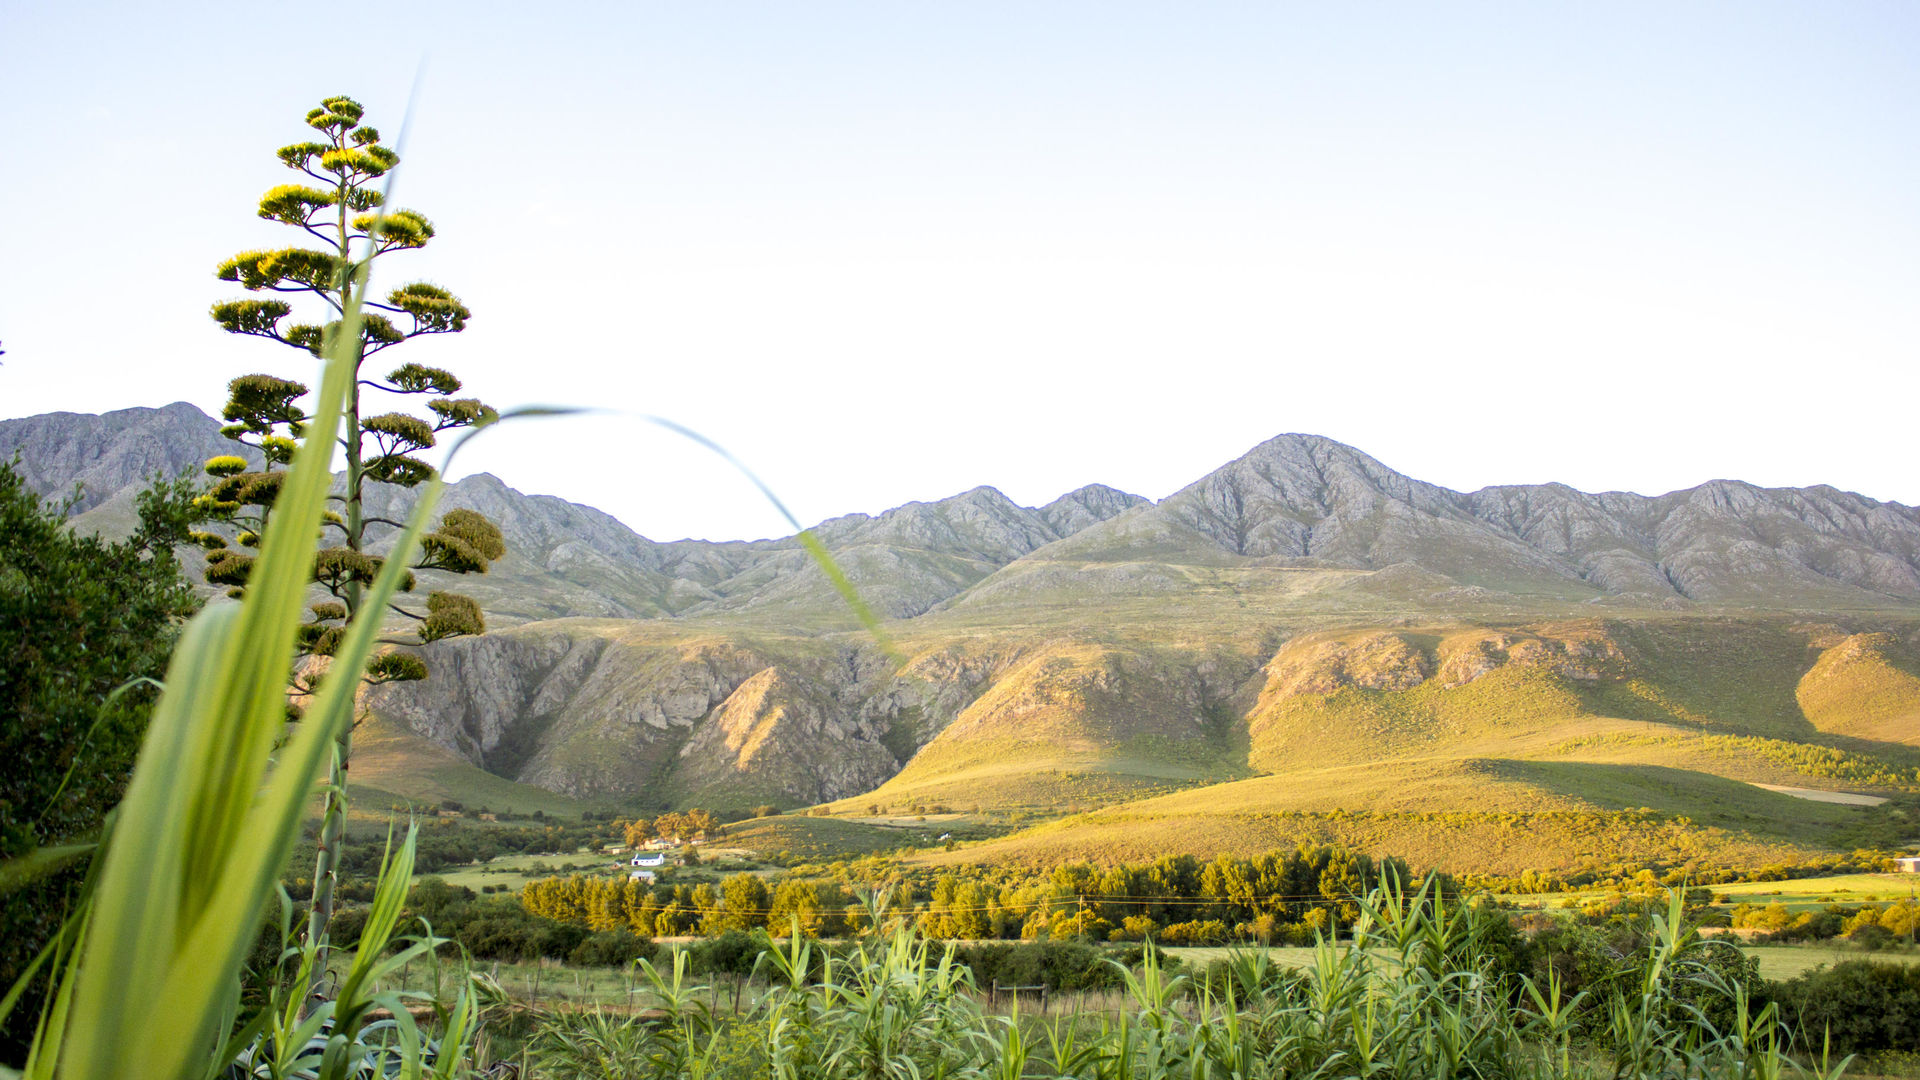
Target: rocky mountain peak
{"x": 1086, "y": 506}
{"x": 112, "y": 451}
{"x": 1304, "y": 496}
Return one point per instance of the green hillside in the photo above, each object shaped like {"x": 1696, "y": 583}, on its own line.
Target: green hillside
{"x": 393, "y": 768}
{"x": 1555, "y": 746}
{"x": 1475, "y": 816}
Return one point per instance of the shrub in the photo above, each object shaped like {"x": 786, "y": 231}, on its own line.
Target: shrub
{"x": 612, "y": 948}
{"x": 1197, "y": 932}
{"x": 1864, "y": 1005}
{"x": 733, "y": 952}
{"x": 345, "y": 927}
{"x": 80, "y": 619}
{"x": 1059, "y": 965}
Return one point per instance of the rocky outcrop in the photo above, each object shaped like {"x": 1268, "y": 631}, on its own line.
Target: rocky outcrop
{"x": 780, "y": 739}
{"x": 1580, "y": 653}
{"x": 1389, "y": 660}
{"x": 1379, "y": 660}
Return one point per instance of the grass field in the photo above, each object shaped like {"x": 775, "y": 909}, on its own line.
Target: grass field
{"x": 1197, "y": 957}
{"x": 793, "y": 838}
{"x": 513, "y": 871}
{"x": 1782, "y": 962}
{"x": 1796, "y": 893}
{"x": 1841, "y": 889}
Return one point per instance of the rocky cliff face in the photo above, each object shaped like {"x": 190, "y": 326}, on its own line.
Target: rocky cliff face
{"x": 593, "y": 709}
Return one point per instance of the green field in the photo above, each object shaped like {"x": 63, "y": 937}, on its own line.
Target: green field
{"x": 1782, "y": 962}
{"x": 1820, "y": 891}
{"x": 795, "y": 838}
{"x": 513, "y": 871}
{"x": 1795, "y": 893}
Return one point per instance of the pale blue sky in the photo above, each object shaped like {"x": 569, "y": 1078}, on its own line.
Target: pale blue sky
{"x": 891, "y": 251}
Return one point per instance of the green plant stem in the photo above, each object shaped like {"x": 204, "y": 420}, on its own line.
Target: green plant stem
{"x": 333, "y": 817}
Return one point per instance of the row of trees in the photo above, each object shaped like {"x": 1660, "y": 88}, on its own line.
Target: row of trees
{"x": 741, "y": 902}
{"x": 1870, "y": 923}
{"x": 1178, "y": 899}
{"x": 685, "y": 825}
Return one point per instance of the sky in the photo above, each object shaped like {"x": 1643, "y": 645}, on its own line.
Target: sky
{"x": 885, "y": 252}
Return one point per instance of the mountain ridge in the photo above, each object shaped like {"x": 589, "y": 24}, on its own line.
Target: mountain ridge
{"x": 1298, "y": 611}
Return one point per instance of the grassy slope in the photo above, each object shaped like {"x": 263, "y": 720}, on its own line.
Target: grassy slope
{"x": 393, "y": 767}
{"x": 1689, "y": 688}
{"x": 1099, "y": 708}
{"x": 1527, "y": 766}
{"x": 1865, "y": 687}
{"x": 817, "y": 839}
{"x": 1489, "y": 815}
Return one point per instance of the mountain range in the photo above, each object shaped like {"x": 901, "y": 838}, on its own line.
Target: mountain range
{"x": 1302, "y": 631}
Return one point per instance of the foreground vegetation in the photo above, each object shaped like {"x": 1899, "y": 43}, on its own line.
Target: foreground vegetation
{"x": 1423, "y": 989}
{"x": 76, "y": 689}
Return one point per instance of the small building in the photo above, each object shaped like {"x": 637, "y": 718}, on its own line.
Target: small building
{"x": 1907, "y": 864}
{"x": 647, "y": 860}
{"x": 644, "y": 877}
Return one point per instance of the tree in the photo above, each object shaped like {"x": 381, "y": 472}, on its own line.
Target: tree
{"x": 637, "y": 832}
{"x": 669, "y": 825}
{"x": 743, "y": 899}
{"x": 700, "y": 823}
{"x": 346, "y": 213}
{"x": 83, "y": 623}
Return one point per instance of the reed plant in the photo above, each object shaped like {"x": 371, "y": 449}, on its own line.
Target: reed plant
{"x": 1417, "y": 991}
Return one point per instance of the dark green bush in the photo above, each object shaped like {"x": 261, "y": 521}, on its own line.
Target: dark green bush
{"x": 82, "y": 620}
{"x": 1865, "y": 1005}
{"x": 612, "y": 948}
{"x": 733, "y": 952}
{"x": 1058, "y": 965}
{"x": 343, "y": 931}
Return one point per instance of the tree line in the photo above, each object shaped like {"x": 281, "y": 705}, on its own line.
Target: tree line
{"x": 671, "y": 826}
{"x": 1179, "y": 899}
